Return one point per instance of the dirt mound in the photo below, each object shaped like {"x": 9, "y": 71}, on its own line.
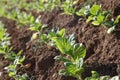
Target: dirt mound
{"x": 103, "y": 50}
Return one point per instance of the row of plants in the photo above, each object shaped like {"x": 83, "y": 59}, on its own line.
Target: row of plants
{"x": 74, "y": 65}
{"x": 15, "y": 58}
{"x": 93, "y": 14}
{"x": 75, "y": 54}
{"x": 96, "y": 16}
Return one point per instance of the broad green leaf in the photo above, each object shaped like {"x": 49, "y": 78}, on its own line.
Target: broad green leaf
{"x": 19, "y": 53}
{"x": 64, "y": 72}
{"x": 67, "y": 64}
{"x": 11, "y": 74}
{"x": 100, "y": 18}
{"x": 2, "y": 32}
{"x": 95, "y": 9}
{"x": 90, "y": 18}
{"x": 106, "y": 14}
{"x": 61, "y": 33}
{"x": 61, "y": 59}
{"x": 31, "y": 19}
{"x": 32, "y": 28}
{"x": 2, "y": 10}
{"x": 110, "y": 23}
{"x": 63, "y": 45}
{"x": 52, "y": 34}
{"x": 21, "y": 60}
{"x": 2, "y": 51}
{"x": 79, "y": 51}
{"x": 73, "y": 69}
{"x": 81, "y": 12}
{"x": 43, "y": 37}
{"x": 36, "y": 27}
{"x": 117, "y": 19}
{"x": 96, "y": 23}
{"x": 11, "y": 67}
{"x": 94, "y": 74}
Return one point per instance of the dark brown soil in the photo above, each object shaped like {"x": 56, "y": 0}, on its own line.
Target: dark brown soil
{"x": 103, "y": 50}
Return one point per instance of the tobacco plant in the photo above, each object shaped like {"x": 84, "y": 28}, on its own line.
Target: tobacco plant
{"x": 95, "y": 76}
{"x": 43, "y": 5}
{"x": 22, "y": 18}
{"x": 48, "y": 38}
{"x": 94, "y": 14}
{"x": 67, "y": 7}
{"x": 113, "y": 24}
{"x": 5, "y": 43}
{"x": 74, "y": 65}
{"x": 12, "y": 68}
{"x": 7, "y": 52}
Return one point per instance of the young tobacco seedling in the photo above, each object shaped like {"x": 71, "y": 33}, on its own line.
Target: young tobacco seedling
{"x": 38, "y": 27}
{"x": 53, "y": 34}
{"x": 83, "y": 11}
{"x": 112, "y": 25}
{"x": 5, "y": 43}
{"x": 94, "y": 14}
{"x": 22, "y": 18}
{"x": 95, "y": 76}
{"x": 74, "y": 66}
{"x": 12, "y": 68}
{"x": 97, "y": 16}
{"x": 44, "y": 5}
{"x": 68, "y": 8}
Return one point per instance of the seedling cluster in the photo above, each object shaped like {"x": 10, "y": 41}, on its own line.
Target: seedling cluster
{"x": 96, "y": 16}
{"x": 7, "y": 52}
{"x": 75, "y": 52}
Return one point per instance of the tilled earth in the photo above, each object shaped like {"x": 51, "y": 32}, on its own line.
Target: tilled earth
{"x": 103, "y": 50}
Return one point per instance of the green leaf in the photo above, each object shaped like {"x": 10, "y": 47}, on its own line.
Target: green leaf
{"x": 80, "y": 62}
{"x": 79, "y": 51}
{"x": 36, "y": 27}
{"x": 43, "y": 37}
{"x": 106, "y": 14}
{"x": 90, "y": 18}
{"x": 11, "y": 67}
{"x": 61, "y": 59}
{"x": 100, "y": 18}
{"x": 67, "y": 64}
{"x": 95, "y": 74}
{"x": 11, "y": 74}
{"x": 96, "y": 23}
{"x": 2, "y": 51}
{"x": 95, "y": 9}
{"x": 21, "y": 60}
{"x": 73, "y": 70}
{"x": 117, "y": 19}
{"x": 61, "y": 33}
{"x": 19, "y": 53}
{"x": 64, "y": 72}
{"x": 52, "y": 34}
{"x": 81, "y": 12}
{"x": 63, "y": 45}
{"x": 2, "y": 32}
